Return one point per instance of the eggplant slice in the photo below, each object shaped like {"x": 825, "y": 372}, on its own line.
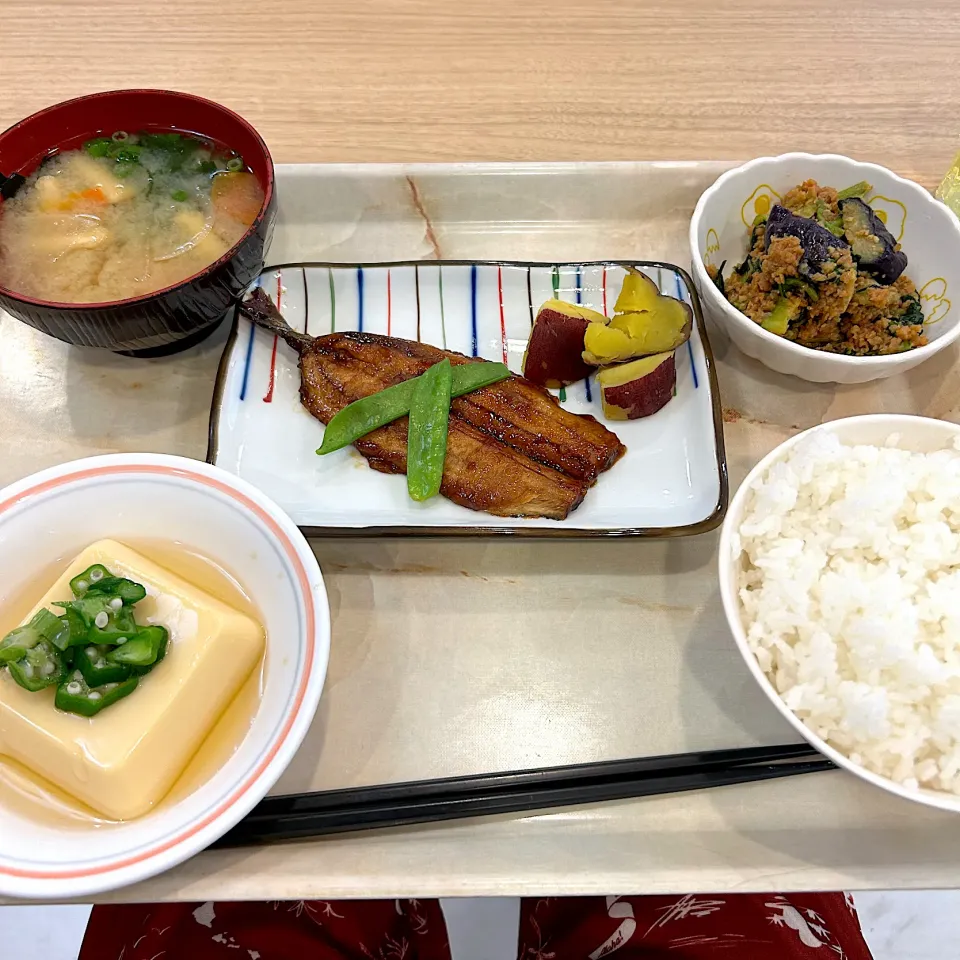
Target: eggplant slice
{"x": 815, "y": 240}
{"x": 873, "y": 246}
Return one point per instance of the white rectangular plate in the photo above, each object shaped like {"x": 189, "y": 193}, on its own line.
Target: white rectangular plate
{"x": 672, "y": 480}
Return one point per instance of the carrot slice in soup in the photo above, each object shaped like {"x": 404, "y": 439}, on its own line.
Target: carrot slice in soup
{"x": 94, "y": 194}
{"x": 237, "y": 196}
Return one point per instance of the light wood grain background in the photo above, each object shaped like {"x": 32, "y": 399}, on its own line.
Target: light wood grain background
{"x": 441, "y": 80}
{"x": 437, "y": 80}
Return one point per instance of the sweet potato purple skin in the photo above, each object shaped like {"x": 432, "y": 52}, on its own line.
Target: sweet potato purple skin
{"x": 553, "y": 357}
{"x": 643, "y": 396}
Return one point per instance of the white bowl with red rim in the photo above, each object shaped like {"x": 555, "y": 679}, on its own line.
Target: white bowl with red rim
{"x": 47, "y": 519}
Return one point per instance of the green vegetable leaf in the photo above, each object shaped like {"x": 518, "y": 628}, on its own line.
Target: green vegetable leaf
{"x": 835, "y": 226}
{"x": 912, "y": 313}
{"x": 795, "y": 283}
{"x": 162, "y": 141}
{"x": 857, "y": 190}
{"x": 126, "y": 153}
{"x": 718, "y": 279}
{"x": 99, "y": 147}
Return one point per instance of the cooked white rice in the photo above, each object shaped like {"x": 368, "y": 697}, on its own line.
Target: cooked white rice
{"x": 850, "y": 589}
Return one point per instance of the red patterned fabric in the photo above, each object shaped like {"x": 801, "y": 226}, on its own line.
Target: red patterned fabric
{"x": 740, "y": 927}
{"x": 815, "y": 926}
{"x": 288, "y": 930}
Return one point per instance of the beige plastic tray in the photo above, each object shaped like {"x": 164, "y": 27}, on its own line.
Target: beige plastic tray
{"x": 465, "y": 656}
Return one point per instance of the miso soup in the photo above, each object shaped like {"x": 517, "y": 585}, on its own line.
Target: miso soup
{"x": 125, "y": 216}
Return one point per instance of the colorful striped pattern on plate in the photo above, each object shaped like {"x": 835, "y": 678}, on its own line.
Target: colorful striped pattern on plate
{"x": 479, "y": 309}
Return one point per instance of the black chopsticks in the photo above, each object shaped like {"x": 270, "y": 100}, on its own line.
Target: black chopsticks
{"x": 304, "y": 815}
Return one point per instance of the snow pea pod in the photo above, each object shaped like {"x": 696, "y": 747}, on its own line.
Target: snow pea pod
{"x": 427, "y": 432}
{"x": 370, "y": 413}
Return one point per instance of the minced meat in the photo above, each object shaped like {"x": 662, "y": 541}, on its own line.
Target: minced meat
{"x": 830, "y": 305}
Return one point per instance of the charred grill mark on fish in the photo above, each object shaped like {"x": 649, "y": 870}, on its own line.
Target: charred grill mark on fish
{"x": 511, "y": 451}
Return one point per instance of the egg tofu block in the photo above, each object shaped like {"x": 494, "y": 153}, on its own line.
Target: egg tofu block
{"x": 123, "y": 761}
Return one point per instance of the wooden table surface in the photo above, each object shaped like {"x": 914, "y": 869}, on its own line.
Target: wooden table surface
{"x": 431, "y": 80}
{"x": 425, "y": 80}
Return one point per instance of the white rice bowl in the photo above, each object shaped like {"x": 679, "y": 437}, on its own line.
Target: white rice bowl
{"x": 840, "y": 575}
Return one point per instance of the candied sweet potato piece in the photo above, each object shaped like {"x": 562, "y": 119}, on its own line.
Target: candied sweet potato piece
{"x": 639, "y": 334}
{"x": 638, "y": 389}
{"x": 663, "y": 328}
{"x": 645, "y": 322}
{"x": 606, "y": 344}
{"x": 638, "y": 293}
{"x": 554, "y": 351}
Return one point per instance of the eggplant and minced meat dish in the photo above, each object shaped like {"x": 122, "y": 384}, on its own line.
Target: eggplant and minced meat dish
{"x": 823, "y": 270}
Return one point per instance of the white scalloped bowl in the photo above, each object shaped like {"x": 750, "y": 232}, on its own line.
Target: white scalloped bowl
{"x": 928, "y": 231}
{"x": 45, "y": 521}
{"x": 920, "y": 434}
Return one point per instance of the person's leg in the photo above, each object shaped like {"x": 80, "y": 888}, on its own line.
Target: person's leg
{"x": 811, "y": 926}
{"x": 279, "y": 930}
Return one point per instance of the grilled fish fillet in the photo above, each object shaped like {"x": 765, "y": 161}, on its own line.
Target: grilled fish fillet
{"x": 512, "y": 451}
